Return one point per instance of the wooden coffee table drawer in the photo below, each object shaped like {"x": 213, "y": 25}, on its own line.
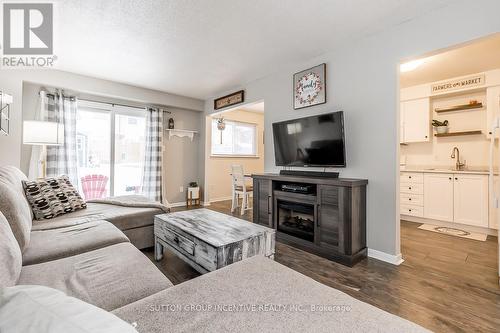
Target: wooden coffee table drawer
{"x": 208, "y": 240}
{"x": 177, "y": 240}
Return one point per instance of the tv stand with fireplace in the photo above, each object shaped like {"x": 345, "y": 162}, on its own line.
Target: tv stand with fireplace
{"x": 322, "y": 215}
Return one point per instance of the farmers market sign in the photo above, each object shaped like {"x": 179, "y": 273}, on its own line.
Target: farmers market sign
{"x": 463, "y": 83}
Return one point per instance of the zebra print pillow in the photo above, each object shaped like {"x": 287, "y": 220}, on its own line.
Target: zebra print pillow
{"x": 51, "y": 197}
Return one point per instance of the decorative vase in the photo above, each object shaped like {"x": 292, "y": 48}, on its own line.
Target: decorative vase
{"x": 441, "y": 129}
{"x": 171, "y": 123}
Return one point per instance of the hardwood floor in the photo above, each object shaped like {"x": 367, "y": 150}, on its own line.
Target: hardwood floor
{"x": 445, "y": 284}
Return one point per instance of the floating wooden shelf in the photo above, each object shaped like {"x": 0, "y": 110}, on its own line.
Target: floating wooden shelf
{"x": 181, "y": 133}
{"x": 460, "y": 107}
{"x": 440, "y": 135}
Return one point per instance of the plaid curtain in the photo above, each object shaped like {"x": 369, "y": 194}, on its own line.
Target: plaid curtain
{"x": 62, "y": 160}
{"x": 152, "y": 173}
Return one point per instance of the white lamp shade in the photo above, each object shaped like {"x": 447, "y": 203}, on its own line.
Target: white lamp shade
{"x": 6, "y": 99}
{"x": 46, "y": 133}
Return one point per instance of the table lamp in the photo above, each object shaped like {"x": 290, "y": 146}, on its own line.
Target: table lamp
{"x": 43, "y": 133}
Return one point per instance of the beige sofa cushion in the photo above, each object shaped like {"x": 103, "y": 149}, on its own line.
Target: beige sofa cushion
{"x": 109, "y": 278}
{"x": 123, "y": 218}
{"x": 13, "y": 204}
{"x": 37, "y": 309}
{"x": 210, "y": 303}
{"x": 10, "y": 255}
{"x": 47, "y": 245}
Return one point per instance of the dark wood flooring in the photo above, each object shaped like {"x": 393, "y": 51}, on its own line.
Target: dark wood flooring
{"x": 445, "y": 284}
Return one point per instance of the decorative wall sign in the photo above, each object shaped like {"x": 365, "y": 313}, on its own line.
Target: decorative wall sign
{"x": 455, "y": 84}
{"x": 309, "y": 87}
{"x": 228, "y": 100}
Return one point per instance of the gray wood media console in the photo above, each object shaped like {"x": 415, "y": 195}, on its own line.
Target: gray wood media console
{"x": 324, "y": 216}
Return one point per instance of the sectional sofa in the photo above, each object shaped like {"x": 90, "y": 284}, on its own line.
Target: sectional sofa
{"x": 93, "y": 255}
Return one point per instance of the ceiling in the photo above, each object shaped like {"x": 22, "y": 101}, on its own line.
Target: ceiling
{"x": 198, "y": 48}
{"x": 475, "y": 57}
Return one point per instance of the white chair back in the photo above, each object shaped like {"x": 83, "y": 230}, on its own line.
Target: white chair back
{"x": 238, "y": 176}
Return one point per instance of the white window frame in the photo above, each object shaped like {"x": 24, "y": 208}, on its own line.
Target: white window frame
{"x": 113, "y": 110}
{"x": 232, "y": 155}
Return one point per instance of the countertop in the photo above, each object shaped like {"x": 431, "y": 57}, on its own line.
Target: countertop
{"x": 444, "y": 169}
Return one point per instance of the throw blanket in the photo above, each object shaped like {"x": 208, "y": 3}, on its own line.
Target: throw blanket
{"x": 132, "y": 201}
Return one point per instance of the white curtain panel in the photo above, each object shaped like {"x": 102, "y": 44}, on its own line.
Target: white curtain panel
{"x": 152, "y": 173}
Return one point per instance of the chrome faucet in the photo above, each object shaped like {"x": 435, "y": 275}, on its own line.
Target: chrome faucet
{"x": 458, "y": 165}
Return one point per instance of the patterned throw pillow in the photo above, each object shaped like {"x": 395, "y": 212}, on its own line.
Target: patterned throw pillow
{"x": 51, "y": 197}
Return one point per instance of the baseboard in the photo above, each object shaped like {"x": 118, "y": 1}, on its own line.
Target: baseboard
{"x": 220, "y": 199}
{"x": 226, "y": 198}
{"x": 390, "y": 258}
{"x": 177, "y": 204}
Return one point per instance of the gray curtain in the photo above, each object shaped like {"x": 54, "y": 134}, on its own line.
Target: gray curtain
{"x": 61, "y": 160}
{"x": 152, "y": 186}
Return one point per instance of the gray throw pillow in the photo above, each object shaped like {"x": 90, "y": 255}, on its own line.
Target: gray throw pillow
{"x": 51, "y": 197}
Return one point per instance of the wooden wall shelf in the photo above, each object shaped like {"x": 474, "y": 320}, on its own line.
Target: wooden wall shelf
{"x": 181, "y": 133}
{"x": 460, "y": 107}
{"x": 440, "y": 135}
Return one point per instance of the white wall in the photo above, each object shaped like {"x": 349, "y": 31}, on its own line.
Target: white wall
{"x": 362, "y": 80}
{"x": 11, "y": 81}
{"x": 436, "y": 152}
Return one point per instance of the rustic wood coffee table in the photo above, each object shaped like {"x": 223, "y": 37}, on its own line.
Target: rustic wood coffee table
{"x": 208, "y": 240}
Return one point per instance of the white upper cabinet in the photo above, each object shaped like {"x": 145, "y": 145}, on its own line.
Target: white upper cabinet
{"x": 492, "y": 107}
{"x": 415, "y": 120}
{"x": 438, "y": 196}
{"x": 471, "y": 199}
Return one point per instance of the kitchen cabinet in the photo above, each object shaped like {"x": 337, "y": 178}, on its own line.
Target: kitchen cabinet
{"x": 412, "y": 194}
{"x": 492, "y": 107}
{"x": 415, "y": 121}
{"x": 438, "y": 196}
{"x": 470, "y": 196}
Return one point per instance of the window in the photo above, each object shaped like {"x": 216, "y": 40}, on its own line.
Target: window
{"x": 237, "y": 139}
{"x": 111, "y": 142}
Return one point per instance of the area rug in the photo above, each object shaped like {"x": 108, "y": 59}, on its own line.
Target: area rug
{"x": 454, "y": 232}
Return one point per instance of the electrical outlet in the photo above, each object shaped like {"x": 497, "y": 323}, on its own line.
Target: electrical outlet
{"x": 181, "y": 189}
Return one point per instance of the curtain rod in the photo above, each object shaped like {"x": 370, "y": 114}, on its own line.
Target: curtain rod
{"x": 113, "y": 104}
{"x": 118, "y": 104}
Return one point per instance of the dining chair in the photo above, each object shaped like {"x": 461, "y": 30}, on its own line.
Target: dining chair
{"x": 240, "y": 187}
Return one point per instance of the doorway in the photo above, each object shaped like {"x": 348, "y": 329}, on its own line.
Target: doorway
{"x": 449, "y": 102}
{"x": 235, "y": 138}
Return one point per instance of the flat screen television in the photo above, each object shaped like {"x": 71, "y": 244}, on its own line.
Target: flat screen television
{"x": 311, "y": 141}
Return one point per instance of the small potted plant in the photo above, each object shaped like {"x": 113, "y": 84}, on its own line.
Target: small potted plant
{"x": 440, "y": 126}
{"x": 193, "y": 194}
